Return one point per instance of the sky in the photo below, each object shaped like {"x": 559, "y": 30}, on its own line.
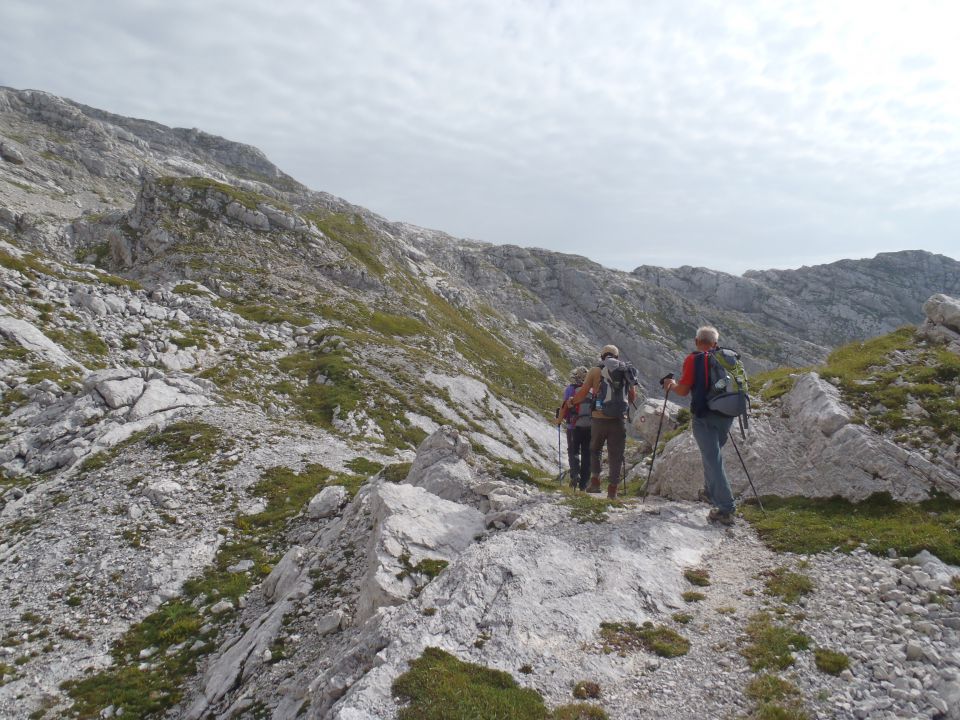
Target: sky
{"x": 732, "y": 135}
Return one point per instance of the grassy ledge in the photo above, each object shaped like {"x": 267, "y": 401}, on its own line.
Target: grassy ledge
{"x": 629, "y": 637}
{"x": 805, "y": 525}
{"x": 439, "y": 686}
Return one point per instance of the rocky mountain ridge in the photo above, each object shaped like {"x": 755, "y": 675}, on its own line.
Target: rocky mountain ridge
{"x": 261, "y": 448}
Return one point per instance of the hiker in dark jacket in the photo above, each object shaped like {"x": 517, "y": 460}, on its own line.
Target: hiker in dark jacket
{"x": 578, "y": 430}
{"x": 611, "y": 431}
{"x": 710, "y": 429}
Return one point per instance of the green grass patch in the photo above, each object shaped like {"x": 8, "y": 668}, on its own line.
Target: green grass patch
{"x": 395, "y": 325}
{"x": 773, "y": 384}
{"x": 628, "y": 637}
{"x": 786, "y": 584}
{"x": 189, "y": 288}
{"x": 579, "y": 711}
{"x": 190, "y": 440}
{"x": 397, "y": 472}
{"x": 85, "y": 342}
{"x": 697, "y": 576}
{"x": 769, "y": 645}
{"x": 351, "y": 232}
{"x": 775, "y": 698}
{"x": 691, "y": 596}
{"x": 430, "y": 567}
{"x": 363, "y": 466}
{"x": 248, "y": 199}
{"x": 830, "y": 661}
{"x": 149, "y": 692}
{"x": 811, "y": 525}
{"x": 770, "y": 688}
{"x": 317, "y": 403}
{"x": 438, "y": 686}
{"x": 893, "y": 370}
{"x": 262, "y": 313}
{"x": 117, "y": 281}
{"x": 682, "y": 618}
{"x": 590, "y": 508}
{"x": 27, "y": 265}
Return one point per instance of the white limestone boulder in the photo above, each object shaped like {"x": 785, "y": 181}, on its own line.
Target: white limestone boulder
{"x": 327, "y": 502}
{"x": 158, "y": 396}
{"x": 284, "y": 575}
{"x": 123, "y": 392}
{"x": 164, "y": 494}
{"x": 442, "y": 468}
{"x": 31, "y": 338}
{"x": 537, "y": 598}
{"x": 646, "y": 420}
{"x": 410, "y": 525}
{"x": 815, "y": 403}
{"x": 943, "y": 310}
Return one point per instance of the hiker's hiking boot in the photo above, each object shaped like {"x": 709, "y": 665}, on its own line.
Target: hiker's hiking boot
{"x": 612, "y": 491}
{"x": 594, "y": 486}
{"x": 716, "y": 515}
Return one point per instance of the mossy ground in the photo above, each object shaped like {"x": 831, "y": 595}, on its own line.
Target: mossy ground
{"x": 786, "y": 584}
{"x": 189, "y": 440}
{"x": 630, "y": 637}
{"x": 805, "y": 525}
{"x": 775, "y": 699}
{"x": 831, "y": 661}
{"x": 439, "y": 686}
{"x": 768, "y": 645}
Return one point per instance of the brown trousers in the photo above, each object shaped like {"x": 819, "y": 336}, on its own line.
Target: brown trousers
{"x": 613, "y": 432}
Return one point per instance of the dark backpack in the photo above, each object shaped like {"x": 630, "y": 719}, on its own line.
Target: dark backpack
{"x": 616, "y": 379}
{"x": 727, "y": 391}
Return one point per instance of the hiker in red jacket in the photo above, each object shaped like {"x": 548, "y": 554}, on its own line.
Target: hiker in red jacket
{"x": 710, "y": 429}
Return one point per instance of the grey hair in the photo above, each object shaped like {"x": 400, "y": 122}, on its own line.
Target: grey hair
{"x": 708, "y": 334}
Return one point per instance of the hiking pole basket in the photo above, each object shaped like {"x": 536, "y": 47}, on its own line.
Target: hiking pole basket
{"x": 656, "y": 442}
{"x": 746, "y": 472}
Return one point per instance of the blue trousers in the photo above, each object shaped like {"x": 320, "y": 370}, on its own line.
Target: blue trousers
{"x": 710, "y": 432}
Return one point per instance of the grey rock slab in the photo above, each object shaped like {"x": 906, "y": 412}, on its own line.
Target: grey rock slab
{"x": 164, "y": 493}
{"x": 441, "y": 466}
{"x": 327, "y": 502}
{"x": 159, "y": 396}
{"x": 410, "y": 525}
{"x": 121, "y": 393}
{"x": 284, "y": 575}
{"x": 817, "y": 403}
{"x": 31, "y": 338}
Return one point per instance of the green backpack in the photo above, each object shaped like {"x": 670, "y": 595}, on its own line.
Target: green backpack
{"x": 727, "y": 393}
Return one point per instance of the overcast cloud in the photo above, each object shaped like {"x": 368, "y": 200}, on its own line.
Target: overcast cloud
{"x": 732, "y": 135}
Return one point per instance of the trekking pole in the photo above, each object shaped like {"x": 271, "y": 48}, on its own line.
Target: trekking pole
{"x": 559, "y": 463}
{"x": 757, "y": 496}
{"x": 656, "y": 442}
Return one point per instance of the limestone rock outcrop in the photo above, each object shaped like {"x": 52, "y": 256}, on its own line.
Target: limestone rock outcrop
{"x": 942, "y": 322}
{"x": 811, "y": 448}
